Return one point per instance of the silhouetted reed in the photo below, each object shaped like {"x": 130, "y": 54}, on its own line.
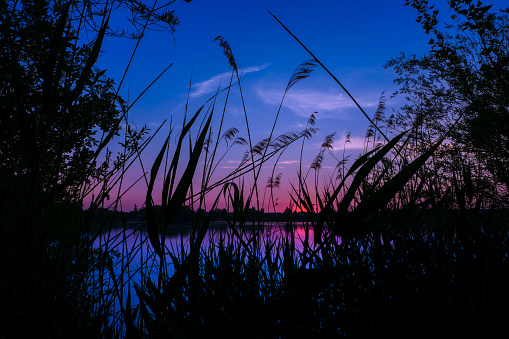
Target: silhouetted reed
{"x": 402, "y": 241}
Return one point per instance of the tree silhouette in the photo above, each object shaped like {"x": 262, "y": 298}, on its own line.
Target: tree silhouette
{"x": 58, "y": 113}
{"x": 465, "y": 76}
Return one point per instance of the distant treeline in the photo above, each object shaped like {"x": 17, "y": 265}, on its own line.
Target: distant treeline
{"x": 188, "y": 216}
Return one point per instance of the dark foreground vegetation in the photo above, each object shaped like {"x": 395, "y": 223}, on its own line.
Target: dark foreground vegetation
{"x": 409, "y": 239}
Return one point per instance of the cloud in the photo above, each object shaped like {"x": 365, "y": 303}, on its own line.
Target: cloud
{"x": 289, "y": 162}
{"x": 304, "y": 102}
{"x": 211, "y": 85}
{"x": 154, "y": 124}
{"x": 236, "y": 162}
{"x": 254, "y": 68}
{"x": 356, "y": 143}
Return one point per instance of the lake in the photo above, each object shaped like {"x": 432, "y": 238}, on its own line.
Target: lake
{"x": 135, "y": 257}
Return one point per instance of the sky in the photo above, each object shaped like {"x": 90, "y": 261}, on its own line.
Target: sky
{"x": 353, "y": 39}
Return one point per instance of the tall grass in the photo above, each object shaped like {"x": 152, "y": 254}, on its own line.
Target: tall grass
{"x": 396, "y": 247}
{"x": 401, "y": 242}
{"x": 393, "y": 253}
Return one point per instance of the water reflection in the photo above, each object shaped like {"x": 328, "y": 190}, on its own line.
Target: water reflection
{"x": 135, "y": 257}
{"x": 133, "y": 242}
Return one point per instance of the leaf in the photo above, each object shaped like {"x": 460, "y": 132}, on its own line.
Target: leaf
{"x": 388, "y": 191}
{"x": 367, "y": 164}
{"x": 91, "y": 60}
{"x": 131, "y": 329}
{"x": 179, "y": 196}
{"x": 364, "y": 172}
{"x": 168, "y": 182}
{"x": 152, "y": 231}
{"x": 176, "y": 282}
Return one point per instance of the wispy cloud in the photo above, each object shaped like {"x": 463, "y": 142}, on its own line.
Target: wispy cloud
{"x": 289, "y": 162}
{"x": 211, "y": 85}
{"x": 303, "y": 102}
{"x": 255, "y": 68}
{"x": 356, "y": 143}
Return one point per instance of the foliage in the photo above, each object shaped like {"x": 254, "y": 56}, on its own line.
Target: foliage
{"x": 464, "y": 77}
{"x": 401, "y": 237}
{"x": 397, "y": 243}
{"x": 59, "y": 113}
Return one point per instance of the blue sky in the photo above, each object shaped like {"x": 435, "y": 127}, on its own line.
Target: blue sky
{"x": 354, "y": 39}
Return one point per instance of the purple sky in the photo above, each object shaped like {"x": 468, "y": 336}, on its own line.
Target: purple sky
{"x": 354, "y": 39}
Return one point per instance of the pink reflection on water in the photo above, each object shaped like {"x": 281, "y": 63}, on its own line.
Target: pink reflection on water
{"x": 136, "y": 254}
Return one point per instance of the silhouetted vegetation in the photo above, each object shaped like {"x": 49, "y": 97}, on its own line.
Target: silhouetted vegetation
{"x": 462, "y": 81}
{"x": 59, "y": 114}
{"x": 409, "y": 239}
